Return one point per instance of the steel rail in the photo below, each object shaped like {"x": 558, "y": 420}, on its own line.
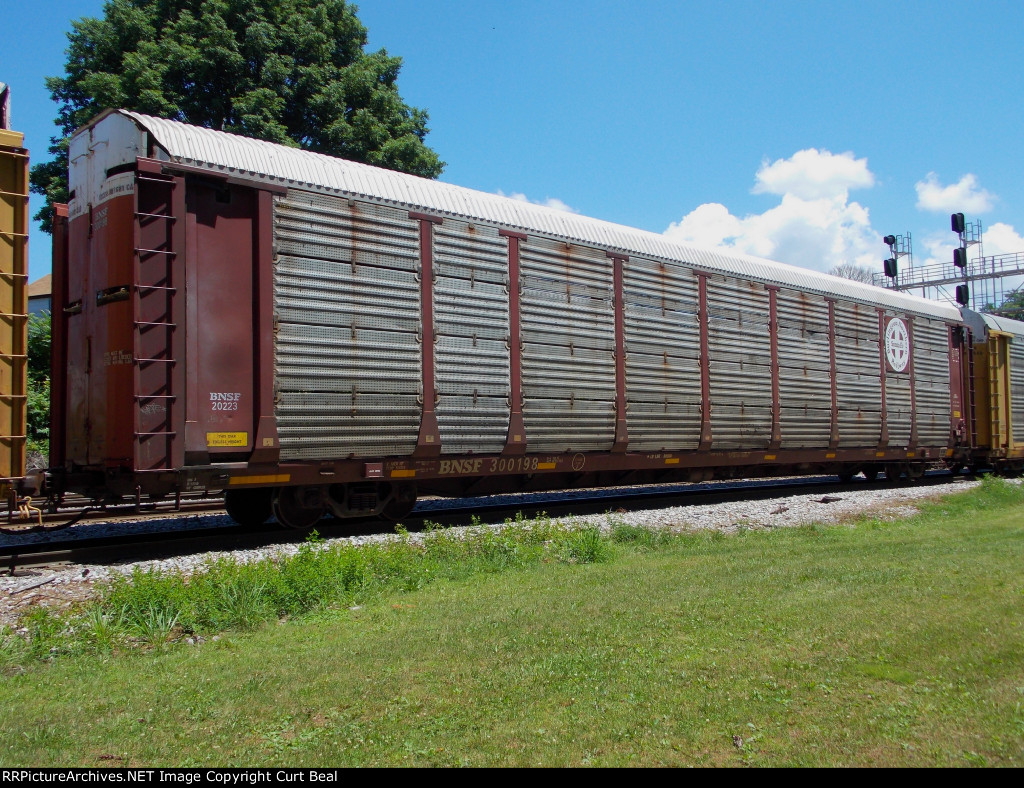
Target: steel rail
{"x": 165, "y": 544}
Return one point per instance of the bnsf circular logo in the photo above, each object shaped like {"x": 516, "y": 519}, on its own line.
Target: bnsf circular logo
{"x": 897, "y": 344}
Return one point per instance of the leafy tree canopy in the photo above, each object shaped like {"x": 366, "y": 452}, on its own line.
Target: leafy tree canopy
{"x": 290, "y": 71}
{"x": 1012, "y": 306}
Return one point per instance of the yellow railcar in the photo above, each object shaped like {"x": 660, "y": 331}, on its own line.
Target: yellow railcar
{"x": 997, "y": 381}
{"x": 13, "y": 299}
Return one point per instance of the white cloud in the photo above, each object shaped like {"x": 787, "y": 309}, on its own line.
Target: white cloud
{"x": 1001, "y": 238}
{"x": 934, "y": 249}
{"x": 966, "y": 195}
{"x": 814, "y": 174}
{"x": 937, "y": 248}
{"x": 816, "y": 225}
{"x": 709, "y": 224}
{"x": 816, "y": 232}
{"x": 548, "y": 202}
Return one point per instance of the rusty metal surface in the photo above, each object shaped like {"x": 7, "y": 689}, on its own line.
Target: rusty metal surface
{"x": 471, "y": 312}
{"x": 739, "y": 356}
{"x": 805, "y": 381}
{"x": 932, "y": 382}
{"x": 858, "y": 378}
{"x": 348, "y": 366}
{"x": 897, "y": 402}
{"x": 662, "y": 370}
{"x": 568, "y": 334}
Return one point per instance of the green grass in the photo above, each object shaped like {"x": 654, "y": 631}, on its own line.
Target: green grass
{"x": 880, "y": 644}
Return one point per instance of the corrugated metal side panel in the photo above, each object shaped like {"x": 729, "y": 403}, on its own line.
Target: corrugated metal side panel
{"x": 931, "y": 381}
{"x": 568, "y": 331}
{"x": 858, "y": 377}
{"x": 805, "y": 428}
{"x": 856, "y": 321}
{"x": 347, "y": 377}
{"x": 318, "y": 227}
{"x": 1017, "y": 389}
{"x": 471, "y": 354}
{"x": 897, "y": 407}
{"x": 662, "y": 334}
{"x": 739, "y": 348}
{"x": 805, "y": 380}
{"x": 272, "y": 163}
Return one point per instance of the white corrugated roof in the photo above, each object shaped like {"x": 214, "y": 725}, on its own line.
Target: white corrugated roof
{"x": 1006, "y": 324}
{"x": 279, "y": 164}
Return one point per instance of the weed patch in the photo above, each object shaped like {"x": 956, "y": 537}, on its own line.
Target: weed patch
{"x": 149, "y": 607}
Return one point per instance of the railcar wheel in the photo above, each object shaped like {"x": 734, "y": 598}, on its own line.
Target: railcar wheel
{"x": 402, "y": 502}
{"x": 397, "y": 510}
{"x": 915, "y": 471}
{"x": 250, "y": 508}
{"x": 871, "y": 474}
{"x": 846, "y": 475}
{"x": 893, "y": 471}
{"x": 294, "y": 509}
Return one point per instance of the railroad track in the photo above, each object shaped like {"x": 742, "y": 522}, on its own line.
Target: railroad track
{"x": 80, "y": 509}
{"x": 158, "y": 545}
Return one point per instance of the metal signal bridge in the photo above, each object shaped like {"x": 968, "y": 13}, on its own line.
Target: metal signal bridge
{"x": 983, "y": 283}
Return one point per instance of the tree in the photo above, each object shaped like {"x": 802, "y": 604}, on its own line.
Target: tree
{"x": 293, "y": 72}
{"x": 1012, "y": 306}
{"x": 38, "y": 411}
{"x": 858, "y": 273}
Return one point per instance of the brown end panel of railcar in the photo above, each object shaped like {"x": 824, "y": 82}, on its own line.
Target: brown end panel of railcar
{"x": 165, "y": 336}
{"x": 97, "y": 335}
{"x": 13, "y": 304}
{"x": 60, "y": 315}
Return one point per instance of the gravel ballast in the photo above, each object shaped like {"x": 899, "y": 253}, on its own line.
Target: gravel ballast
{"x": 65, "y": 586}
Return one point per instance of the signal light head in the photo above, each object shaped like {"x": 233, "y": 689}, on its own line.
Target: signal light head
{"x": 956, "y": 222}
{"x": 890, "y": 267}
{"x": 963, "y": 295}
{"x": 890, "y": 240}
{"x": 960, "y": 257}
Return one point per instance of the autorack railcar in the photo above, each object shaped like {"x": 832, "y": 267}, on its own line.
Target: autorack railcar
{"x": 314, "y": 335}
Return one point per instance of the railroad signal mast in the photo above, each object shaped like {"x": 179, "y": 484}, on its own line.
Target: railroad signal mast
{"x": 899, "y": 246}
{"x": 978, "y": 281}
{"x": 959, "y": 226}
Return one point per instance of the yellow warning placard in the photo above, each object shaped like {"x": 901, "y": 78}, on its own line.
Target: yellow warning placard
{"x": 216, "y": 440}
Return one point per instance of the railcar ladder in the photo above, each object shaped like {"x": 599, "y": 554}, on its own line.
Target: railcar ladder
{"x": 996, "y": 398}
{"x": 156, "y": 337}
{"x": 13, "y": 305}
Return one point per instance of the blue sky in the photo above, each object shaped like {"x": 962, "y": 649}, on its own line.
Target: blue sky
{"x": 800, "y": 131}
